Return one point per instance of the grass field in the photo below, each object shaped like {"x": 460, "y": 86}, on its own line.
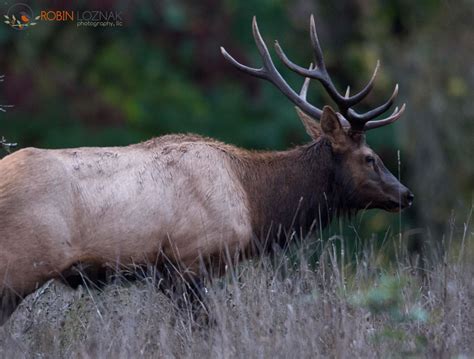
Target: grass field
{"x": 373, "y": 301}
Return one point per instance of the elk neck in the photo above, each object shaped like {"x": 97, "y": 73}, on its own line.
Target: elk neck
{"x": 299, "y": 189}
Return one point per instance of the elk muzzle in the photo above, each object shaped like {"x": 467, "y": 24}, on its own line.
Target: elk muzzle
{"x": 401, "y": 198}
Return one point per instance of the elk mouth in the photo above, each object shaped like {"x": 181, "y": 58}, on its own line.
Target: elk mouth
{"x": 395, "y": 206}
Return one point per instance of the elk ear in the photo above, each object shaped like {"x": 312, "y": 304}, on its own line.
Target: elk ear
{"x": 312, "y": 127}
{"x": 332, "y": 128}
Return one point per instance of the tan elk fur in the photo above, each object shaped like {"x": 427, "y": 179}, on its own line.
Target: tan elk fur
{"x": 175, "y": 194}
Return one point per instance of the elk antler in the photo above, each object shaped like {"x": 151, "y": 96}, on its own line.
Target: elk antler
{"x": 348, "y": 116}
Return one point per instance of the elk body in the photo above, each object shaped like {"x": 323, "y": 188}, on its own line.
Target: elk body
{"x": 188, "y": 199}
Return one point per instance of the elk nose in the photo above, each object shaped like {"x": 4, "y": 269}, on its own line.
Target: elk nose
{"x": 409, "y": 197}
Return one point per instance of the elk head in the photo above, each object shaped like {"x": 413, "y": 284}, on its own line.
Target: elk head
{"x": 371, "y": 184}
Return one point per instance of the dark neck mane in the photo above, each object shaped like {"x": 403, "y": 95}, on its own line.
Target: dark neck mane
{"x": 297, "y": 189}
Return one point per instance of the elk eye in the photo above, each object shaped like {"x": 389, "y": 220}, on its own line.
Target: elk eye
{"x": 370, "y": 160}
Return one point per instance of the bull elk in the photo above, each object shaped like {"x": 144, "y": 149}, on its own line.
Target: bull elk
{"x": 189, "y": 199}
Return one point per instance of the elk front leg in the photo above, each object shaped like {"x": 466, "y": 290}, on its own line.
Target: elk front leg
{"x": 20, "y": 276}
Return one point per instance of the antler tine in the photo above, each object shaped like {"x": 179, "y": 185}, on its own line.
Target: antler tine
{"x": 270, "y": 73}
{"x": 318, "y": 54}
{"x": 346, "y": 101}
{"x": 320, "y": 73}
{"x": 262, "y": 72}
{"x": 304, "y": 88}
{"x": 343, "y": 120}
{"x": 351, "y": 101}
{"x": 365, "y": 117}
{"x": 262, "y": 48}
{"x": 274, "y": 76}
{"x": 314, "y": 73}
{"x": 386, "y": 121}
{"x": 250, "y": 70}
{"x": 304, "y": 92}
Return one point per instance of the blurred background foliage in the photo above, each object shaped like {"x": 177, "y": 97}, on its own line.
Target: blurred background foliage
{"x": 162, "y": 72}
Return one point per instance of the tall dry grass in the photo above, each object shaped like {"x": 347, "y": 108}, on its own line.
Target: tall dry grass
{"x": 372, "y": 301}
